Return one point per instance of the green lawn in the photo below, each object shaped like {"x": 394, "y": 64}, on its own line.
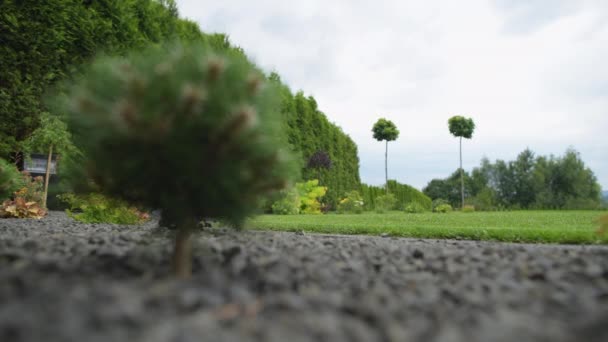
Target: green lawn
{"x": 576, "y": 227}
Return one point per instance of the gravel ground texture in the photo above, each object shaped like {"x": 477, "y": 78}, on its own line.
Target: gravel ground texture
{"x": 66, "y": 281}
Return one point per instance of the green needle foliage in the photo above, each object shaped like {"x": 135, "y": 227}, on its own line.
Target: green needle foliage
{"x": 461, "y": 127}
{"x": 185, "y": 130}
{"x": 385, "y": 130}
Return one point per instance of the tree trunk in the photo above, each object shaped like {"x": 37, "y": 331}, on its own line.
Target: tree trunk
{"x": 386, "y": 166}
{"x": 461, "y": 177}
{"x": 182, "y": 252}
{"x": 47, "y": 176}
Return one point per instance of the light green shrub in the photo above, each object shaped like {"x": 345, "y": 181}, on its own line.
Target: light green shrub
{"x": 289, "y": 204}
{"x": 310, "y": 193}
{"x": 443, "y": 208}
{"x": 97, "y": 208}
{"x": 352, "y": 203}
{"x": 385, "y": 203}
{"x": 414, "y": 208}
{"x": 468, "y": 209}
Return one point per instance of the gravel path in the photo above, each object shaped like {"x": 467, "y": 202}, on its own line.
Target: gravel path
{"x": 65, "y": 281}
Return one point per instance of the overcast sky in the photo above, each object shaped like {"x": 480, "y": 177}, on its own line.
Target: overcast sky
{"x": 531, "y": 73}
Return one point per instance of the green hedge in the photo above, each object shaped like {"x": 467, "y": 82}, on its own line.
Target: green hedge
{"x": 48, "y": 41}
{"x": 308, "y": 131}
{"x": 404, "y": 193}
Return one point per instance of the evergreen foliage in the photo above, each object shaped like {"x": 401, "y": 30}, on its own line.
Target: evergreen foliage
{"x": 44, "y": 42}
{"x": 308, "y": 132}
{"x": 186, "y": 130}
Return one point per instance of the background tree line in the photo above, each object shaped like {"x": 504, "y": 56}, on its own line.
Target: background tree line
{"x": 43, "y": 42}
{"x": 528, "y": 182}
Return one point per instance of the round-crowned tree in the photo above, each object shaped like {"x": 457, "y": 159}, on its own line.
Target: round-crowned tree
{"x": 385, "y": 130}
{"x": 461, "y": 127}
{"x": 185, "y": 130}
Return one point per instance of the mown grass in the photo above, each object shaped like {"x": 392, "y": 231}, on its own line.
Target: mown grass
{"x": 566, "y": 227}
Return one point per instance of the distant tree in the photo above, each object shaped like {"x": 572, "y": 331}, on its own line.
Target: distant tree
{"x": 461, "y": 127}
{"x": 448, "y": 189}
{"x": 523, "y": 174}
{"x": 544, "y": 182}
{"x": 385, "y": 130}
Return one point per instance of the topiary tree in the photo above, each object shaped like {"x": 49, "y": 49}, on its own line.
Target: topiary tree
{"x": 461, "y": 127}
{"x": 185, "y": 130}
{"x": 385, "y": 130}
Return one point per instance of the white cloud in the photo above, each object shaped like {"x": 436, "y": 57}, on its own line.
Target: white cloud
{"x": 530, "y": 73}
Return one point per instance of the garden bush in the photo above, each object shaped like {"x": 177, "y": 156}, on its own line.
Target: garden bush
{"x": 184, "y": 129}
{"x": 443, "y": 208}
{"x": 11, "y": 180}
{"x": 289, "y": 204}
{"x": 310, "y": 193}
{"x": 468, "y": 208}
{"x": 351, "y": 204}
{"x": 97, "y": 208}
{"x": 385, "y": 203}
{"x": 414, "y": 208}
{"x": 439, "y": 201}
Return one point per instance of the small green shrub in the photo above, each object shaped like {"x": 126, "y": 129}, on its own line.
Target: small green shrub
{"x": 385, "y": 203}
{"x": 352, "y": 203}
{"x": 468, "y": 209}
{"x": 439, "y": 201}
{"x": 485, "y": 200}
{"x": 443, "y": 208}
{"x": 97, "y": 208}
{"x": 11, "y": 180}
{"x": 310, "y": 192}
{"x": 26, "y": 202}
{"x": 414, "y": 208}
{"x": 289, "y": 204}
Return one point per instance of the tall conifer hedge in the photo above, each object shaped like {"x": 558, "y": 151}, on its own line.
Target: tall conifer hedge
{"x": 48, "y": 41}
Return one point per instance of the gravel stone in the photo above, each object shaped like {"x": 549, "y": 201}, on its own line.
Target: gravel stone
{"x": 61, "y": 280}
